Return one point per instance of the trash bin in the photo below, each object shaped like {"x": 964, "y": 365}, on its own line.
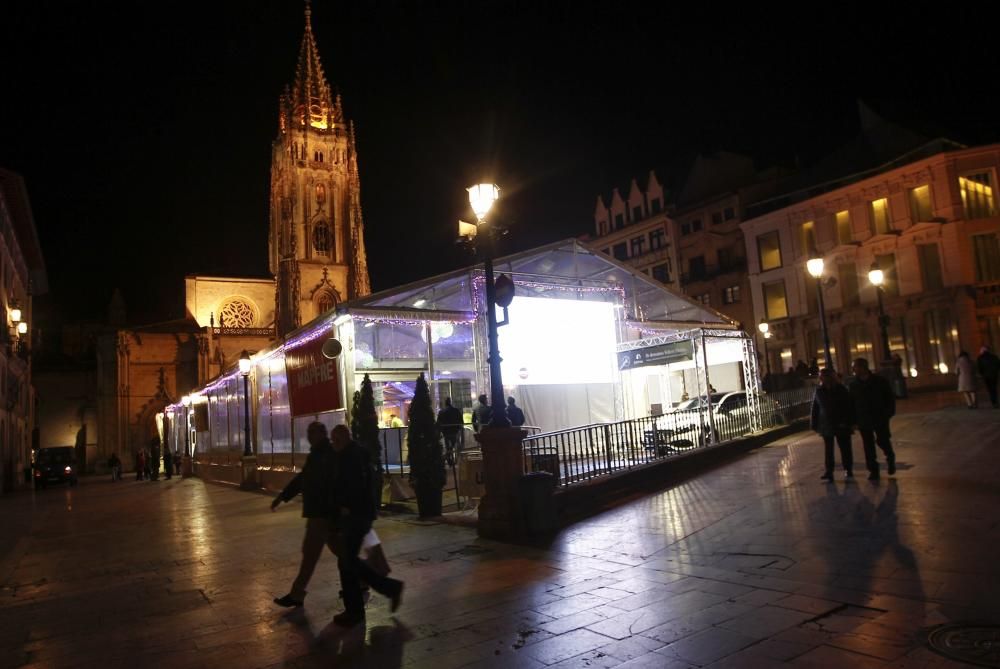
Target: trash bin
{"x": 537, "y": 502}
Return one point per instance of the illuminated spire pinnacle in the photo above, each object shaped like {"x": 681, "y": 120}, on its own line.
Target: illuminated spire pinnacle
{"x": 310, "y": 99}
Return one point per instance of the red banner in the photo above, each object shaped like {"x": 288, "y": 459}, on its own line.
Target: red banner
{"x": 313, "y": 379}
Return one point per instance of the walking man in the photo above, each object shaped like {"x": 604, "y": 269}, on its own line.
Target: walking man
{"x": 315, "y": 482}
{"x": 874, "y": 405}
{"x": 989, "y": 369}
{"x": 832, "y": 416}
{"x": 354, "y": 512}
{"x": 449, "y": 422}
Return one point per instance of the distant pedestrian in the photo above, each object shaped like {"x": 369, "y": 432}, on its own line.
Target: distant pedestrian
{"x": 814, "y": 367}
{"x": 514, "y": 413}
{"x": 449, "y": 422}
{"x": 140, "y": 464}
{"x": 177, "y": 463}
{"x": 354, "y": 512}
{"x": 395, "y": 421}
{"x": 316, "y": 483}
{"x": 168, "y": 463}
{"x": 482, "y": 414}
{"x": 832, "y": 416}
{"x": 966, "y": 379}
{"x": 874, "y": 406}
{"x": 115, "y": 465}
{"x": 989, "y": 369}
{"x": 801, "y": 369}
{"x": 154, "y": 459}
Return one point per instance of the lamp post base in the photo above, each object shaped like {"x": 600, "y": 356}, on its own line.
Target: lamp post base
{"x": 248, "y": 480}
{"x": 503, "y": 466}
{"x": 187, "y": 467}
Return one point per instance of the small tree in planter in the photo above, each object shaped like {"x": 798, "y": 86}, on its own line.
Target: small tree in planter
{"x": 364, "y": 425}
{"x": 355, "y": 410}
{"x": 426, "y": 457}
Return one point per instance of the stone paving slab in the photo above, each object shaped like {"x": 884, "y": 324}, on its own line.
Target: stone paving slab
{"x": 753, "y": 564}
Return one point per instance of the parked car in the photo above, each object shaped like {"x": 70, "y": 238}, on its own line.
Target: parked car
{"x": 688, "y": 425}
{"x": 55, "y": 464}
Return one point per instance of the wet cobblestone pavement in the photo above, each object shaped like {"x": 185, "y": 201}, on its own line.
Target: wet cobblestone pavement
{"x": 752, "y": 564}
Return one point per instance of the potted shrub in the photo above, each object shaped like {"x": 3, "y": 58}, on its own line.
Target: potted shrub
{"x": 364, "y": 425}
{"x": 426, "y": 455}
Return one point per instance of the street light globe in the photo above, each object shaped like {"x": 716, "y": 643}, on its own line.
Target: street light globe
{"x": 15, "y": 315}
{"x": 763, "y": 327}
{"x": 482, "y": 197}
{"x": 22, "y": 328}
{"x": 815, "y": 267}
{"x": 245, "y": 363}
{"x": 876, "y": 276}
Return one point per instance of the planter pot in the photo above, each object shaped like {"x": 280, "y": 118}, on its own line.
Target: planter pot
{"x": 429, "y": 502}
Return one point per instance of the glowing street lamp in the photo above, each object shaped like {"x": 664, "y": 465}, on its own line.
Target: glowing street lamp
{"x": 815, "y": 268}
{"x": 245, "y": 365}
{"x": 765, "y": 331}
{"x": 482, "y": 197}
{"x": 15, "y": 314}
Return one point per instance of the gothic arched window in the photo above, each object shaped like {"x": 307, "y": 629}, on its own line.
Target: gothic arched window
{"x": 321, "y": 238}
{"x": 326, "y": 302}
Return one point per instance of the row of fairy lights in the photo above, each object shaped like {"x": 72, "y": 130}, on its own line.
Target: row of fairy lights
{"x": 370, "y": 321}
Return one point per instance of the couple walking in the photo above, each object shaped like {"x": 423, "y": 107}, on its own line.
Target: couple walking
{"x": 867, "y": 404}
{"x": 339, "y": 507}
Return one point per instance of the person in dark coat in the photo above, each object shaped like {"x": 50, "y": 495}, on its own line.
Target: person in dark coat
{"x": 832, "y": 417}
{"x": 482, "y": 415}
{"x": 514, "y": 413}
{"x": 354, "y": 512}
{"x": 115, "y": 465}
{"x": 989, "y": 369}
{"x": 449, "y": 422}
{"x": 874, "y": 405}
{"x": 140, "y": 464}
{"x": 168, "y": 463}
{"x": 177, "y": 463}
{"x": 153, "y": 460}
{"x": 316, "y": 483}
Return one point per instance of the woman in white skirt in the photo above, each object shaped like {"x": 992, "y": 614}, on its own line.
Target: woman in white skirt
{"x": 966, "y": 379}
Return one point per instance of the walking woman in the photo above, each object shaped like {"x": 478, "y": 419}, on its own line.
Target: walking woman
{"x": 966, "y": 379}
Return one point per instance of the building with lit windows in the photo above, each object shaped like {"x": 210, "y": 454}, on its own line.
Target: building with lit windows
{"x": 926, "y": 216}
{"x": 637, "y": 231}
{"x": 22, "y": 277}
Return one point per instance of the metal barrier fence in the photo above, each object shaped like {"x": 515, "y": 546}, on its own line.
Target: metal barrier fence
{"x": 583, "y": 453}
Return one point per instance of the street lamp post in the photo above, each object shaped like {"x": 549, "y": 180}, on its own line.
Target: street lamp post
{"x": 815, "y": 267}
{"x": 765, "y": 331}
{"x": 245, "y": 372}
{"x": 482, "y": 197}
{"x": 877, "y": 278}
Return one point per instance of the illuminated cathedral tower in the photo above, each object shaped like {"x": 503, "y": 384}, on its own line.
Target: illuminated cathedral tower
{"x": 316, "y": 242}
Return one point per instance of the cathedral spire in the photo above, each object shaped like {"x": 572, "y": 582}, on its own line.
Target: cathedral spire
{"x": 310, "y": 99}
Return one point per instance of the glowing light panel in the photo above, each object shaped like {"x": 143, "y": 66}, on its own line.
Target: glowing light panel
{"x": 554, "y": 341}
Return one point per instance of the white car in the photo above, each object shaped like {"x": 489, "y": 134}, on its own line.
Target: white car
{"x": 687, "y": 425}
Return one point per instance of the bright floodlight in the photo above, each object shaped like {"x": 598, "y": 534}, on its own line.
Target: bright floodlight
{"x": 876, "y": 276}
{"x": 763, "y": 327}
{"x": 15, "y": 315}
{"x": 245, "y": 363}
{"x": 815, "y": 267}
{"x": 22, "y": 328}
{"x": 482, "y": 197}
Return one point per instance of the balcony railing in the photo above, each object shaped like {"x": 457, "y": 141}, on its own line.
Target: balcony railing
{"x": 243, "y": 332}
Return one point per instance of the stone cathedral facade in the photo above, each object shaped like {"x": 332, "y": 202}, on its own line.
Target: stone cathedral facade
{"x": 316, "y": 243}
{"x": 316, "y": 256}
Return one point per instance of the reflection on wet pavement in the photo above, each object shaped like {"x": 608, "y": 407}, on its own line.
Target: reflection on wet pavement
{"x": 755, "y": 563}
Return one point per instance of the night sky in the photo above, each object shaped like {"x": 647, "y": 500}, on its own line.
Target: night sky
{"x": 144, "y": 129}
